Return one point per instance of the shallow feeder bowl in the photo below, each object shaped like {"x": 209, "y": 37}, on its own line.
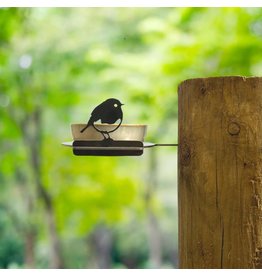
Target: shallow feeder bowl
{"x": 126, "y": 132}
{"x": 127, "y": 140}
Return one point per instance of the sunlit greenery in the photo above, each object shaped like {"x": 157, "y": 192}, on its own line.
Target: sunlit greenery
{"x": 56, "y": 65}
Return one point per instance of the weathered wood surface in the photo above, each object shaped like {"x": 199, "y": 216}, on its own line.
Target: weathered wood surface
{"x": 220, "y": 173}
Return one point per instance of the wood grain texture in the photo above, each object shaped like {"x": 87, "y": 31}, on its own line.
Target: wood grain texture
{"x": 220, "y": 173}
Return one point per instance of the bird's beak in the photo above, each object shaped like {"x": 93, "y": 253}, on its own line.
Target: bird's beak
{"x": 122, "y": 104}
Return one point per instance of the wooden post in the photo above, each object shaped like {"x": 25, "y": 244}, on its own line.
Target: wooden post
{"x": 220, "y": 173}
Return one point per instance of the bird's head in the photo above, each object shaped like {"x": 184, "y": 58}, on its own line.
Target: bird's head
{"x": 114, "y": 102}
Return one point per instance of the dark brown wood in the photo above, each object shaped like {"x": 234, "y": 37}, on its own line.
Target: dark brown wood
{"x": 220, "y": 173}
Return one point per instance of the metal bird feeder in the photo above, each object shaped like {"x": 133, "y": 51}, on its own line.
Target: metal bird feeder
{"x": 109, "y": 138}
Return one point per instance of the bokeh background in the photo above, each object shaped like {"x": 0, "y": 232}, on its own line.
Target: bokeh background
{"x": 56, "y": 64}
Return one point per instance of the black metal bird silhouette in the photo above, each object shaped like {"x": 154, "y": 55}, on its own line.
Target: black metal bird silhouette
{"x": 108, "y": 112}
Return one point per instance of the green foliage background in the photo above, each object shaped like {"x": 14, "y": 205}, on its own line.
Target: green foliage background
{"x": 56, "y": 65}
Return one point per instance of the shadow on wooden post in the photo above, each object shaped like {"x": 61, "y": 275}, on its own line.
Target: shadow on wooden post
{"x": 220, "y": 173}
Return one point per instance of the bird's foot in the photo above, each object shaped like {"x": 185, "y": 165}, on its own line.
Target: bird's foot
{"x": 106, "y": 136}
{"x": 107, "y": 142}
{"x": 108, "y": 139}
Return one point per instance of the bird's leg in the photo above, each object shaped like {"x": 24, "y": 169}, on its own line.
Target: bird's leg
{"x": 102, "y": 132}
{"x": 108, "y": 136}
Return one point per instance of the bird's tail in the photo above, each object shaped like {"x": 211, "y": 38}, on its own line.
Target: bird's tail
{"x": 82, "y": 130}
{"x": 90, "y": 123}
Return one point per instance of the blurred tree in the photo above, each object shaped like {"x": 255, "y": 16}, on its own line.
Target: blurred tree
{"x": 11, "y": 247}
